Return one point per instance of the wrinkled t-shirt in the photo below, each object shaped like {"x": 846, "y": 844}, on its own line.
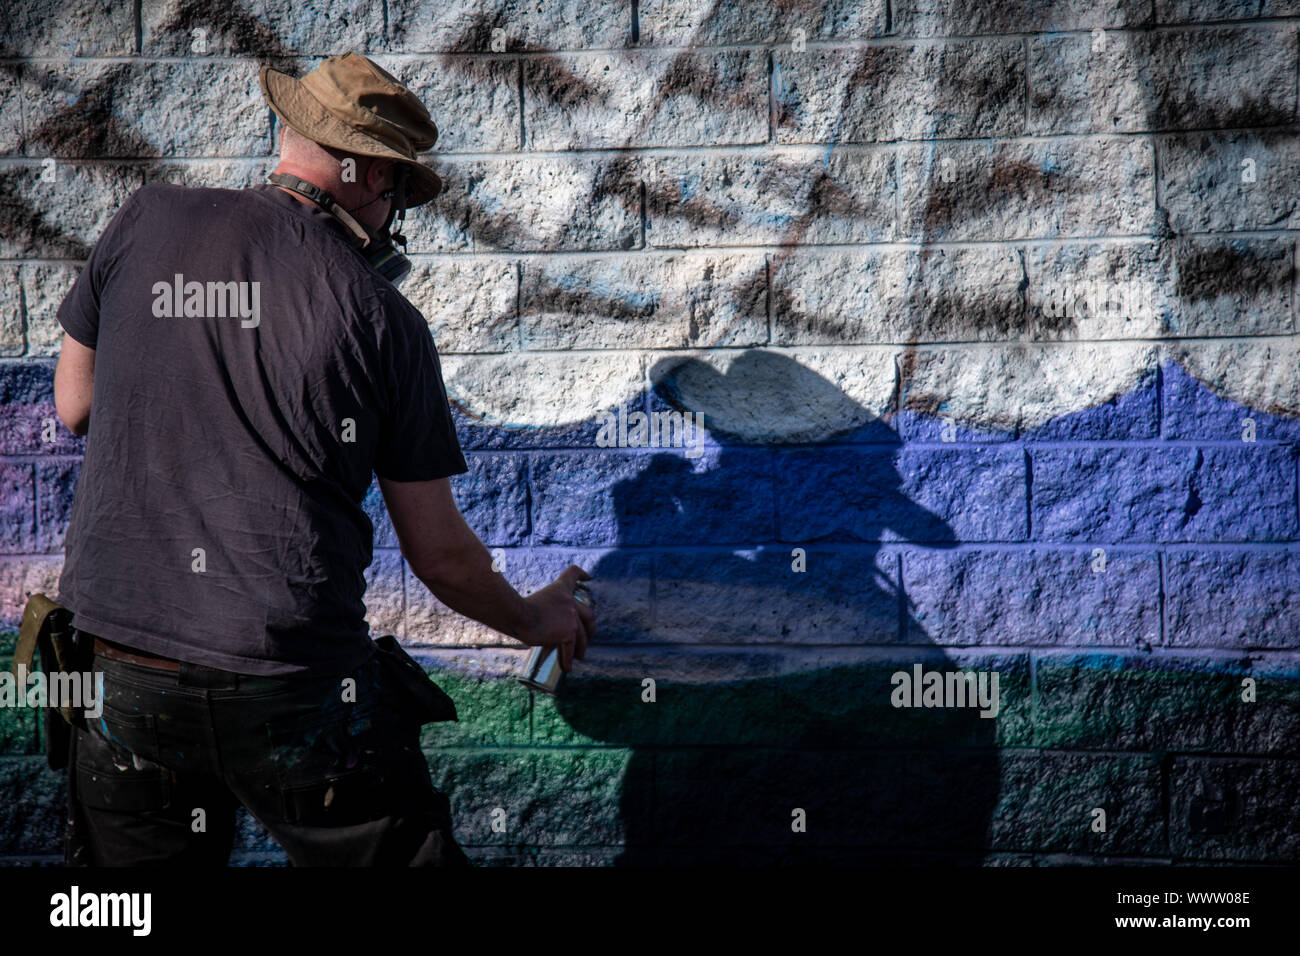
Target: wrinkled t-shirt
{"x": 251, "y": 372}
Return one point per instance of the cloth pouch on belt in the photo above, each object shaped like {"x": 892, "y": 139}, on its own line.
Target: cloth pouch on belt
{"x": 47, "y": 630}
{"x": 420, "y": 698}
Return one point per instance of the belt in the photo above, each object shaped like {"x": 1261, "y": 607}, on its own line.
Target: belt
{"x": 118, "y": 653}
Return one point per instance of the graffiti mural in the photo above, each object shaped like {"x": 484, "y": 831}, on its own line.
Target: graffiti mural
{"x": 987, "y": 317}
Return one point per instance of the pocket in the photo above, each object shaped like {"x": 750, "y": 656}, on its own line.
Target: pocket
{"x": 339, "y": 772}
{"x": 345, "y": 800}
{"x": 134, "y": 733}
{"x": 113, "y": 771}
{"x": 422, "y": 700}
{"x": 310, "y": 747}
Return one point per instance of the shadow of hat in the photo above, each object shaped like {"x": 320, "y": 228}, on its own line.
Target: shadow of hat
{"x": 350, "y": 103}
{"x": 766, "y": 397}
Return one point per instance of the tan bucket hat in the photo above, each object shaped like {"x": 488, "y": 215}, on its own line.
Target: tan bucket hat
{"x": 350, "y": 103}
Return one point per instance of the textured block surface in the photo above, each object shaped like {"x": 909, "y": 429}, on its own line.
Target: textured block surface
{"x": 847, "y": 344}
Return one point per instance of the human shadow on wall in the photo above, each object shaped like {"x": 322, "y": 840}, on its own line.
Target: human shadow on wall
{"x": 772, "y": 685}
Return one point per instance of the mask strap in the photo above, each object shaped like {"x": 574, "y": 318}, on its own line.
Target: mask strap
{"x": 397, "y": 211}
{"x": 323, "y": 199}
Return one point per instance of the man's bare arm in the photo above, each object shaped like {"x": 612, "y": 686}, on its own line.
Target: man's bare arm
{"x": 74, "y": 384}
{"x": 445, "y": 553}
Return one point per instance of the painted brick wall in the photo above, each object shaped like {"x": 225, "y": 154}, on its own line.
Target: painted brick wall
{"x": 989, "y": 308}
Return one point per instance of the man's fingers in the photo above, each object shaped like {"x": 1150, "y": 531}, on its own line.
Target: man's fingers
{"x": 576, "y": 645}
{"x": 573, "y": 574}
{"x": 587, "y": 616}
{"x": 581, "y": 637}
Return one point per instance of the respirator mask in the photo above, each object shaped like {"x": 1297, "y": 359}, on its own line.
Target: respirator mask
{"x": 379, "y": 248}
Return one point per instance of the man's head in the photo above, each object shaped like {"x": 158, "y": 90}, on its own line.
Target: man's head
{"x": 349, "y": 127}
{"x": 358, "y": 183}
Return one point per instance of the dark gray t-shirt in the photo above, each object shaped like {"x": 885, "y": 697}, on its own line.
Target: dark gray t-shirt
{"x": 251, "y": 371}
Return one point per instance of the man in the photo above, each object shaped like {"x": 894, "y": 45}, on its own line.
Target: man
{"x": 241, "y": 369}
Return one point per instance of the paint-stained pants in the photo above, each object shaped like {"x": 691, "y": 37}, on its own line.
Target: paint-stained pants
{"x": 337, "y": 777}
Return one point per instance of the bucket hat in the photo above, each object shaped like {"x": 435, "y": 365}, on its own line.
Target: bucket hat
{"x": 350, "y": 103}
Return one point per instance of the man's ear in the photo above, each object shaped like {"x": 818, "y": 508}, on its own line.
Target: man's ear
{"x": 380, "y": 175}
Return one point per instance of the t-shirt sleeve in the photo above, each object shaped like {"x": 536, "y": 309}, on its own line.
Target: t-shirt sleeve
{"x": 79, "y": 311}
{"x": 417, "y": 439}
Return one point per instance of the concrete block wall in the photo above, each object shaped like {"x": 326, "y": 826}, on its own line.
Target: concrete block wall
{"x": 990, "y": 314}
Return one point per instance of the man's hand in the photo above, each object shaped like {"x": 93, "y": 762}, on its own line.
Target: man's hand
{"x": 562, "y": 621}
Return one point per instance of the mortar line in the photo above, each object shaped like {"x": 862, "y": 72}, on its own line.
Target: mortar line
{"x": 1156, "y": 188}
{"x": 406, "y": 603}
{"x": 971, "y": 345}
{"x": 644, "y": 214}
{"x": 1295, "y": 287}
{"x": 846, "y": 249}
{"x": 1160, "y": 400}
{"x": 1024, "y": 80}
{"x": 894, "y": 404}
{"x": 519, "y": 305}
{"x": 902, "y": 598}
{"x": 523, "y": 128}
{"x": 767, "y": 295}
{"x": 816, "y": 149}
{"x": 771, "y": 97}
{"x": 898, "y": 193}
{"x": 1252, "y": 25}
{"x": 36, "y": 503}
{"x": 1081, "y": 550}
{"x": 1034, "y": 728}
{"x": 1029, "y": 493}
{"x": 958, "y": 654}
{"x": 26, "y": 318}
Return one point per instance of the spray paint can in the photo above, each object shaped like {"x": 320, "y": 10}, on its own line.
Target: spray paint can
{"x": 542, "y": 670}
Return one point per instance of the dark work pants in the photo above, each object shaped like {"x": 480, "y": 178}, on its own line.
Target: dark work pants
{"x": 333, "y": 772}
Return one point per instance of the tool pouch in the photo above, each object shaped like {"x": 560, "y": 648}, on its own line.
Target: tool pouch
{"x": 418, "y": 697}
{"x": 47, "y": 629}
